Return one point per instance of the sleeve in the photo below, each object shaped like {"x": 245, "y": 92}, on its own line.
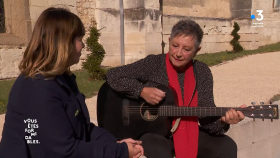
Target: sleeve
{"x": 210, "y": 123}
{"x": 55, "y": 132}
{"x": 129, "y": 79}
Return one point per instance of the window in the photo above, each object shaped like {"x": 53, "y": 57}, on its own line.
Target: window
{"x": 2, "y": 17}
{"x": 276, "y": 4}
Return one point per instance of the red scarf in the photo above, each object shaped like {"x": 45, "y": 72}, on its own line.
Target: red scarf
{"x": 186, "y": 136}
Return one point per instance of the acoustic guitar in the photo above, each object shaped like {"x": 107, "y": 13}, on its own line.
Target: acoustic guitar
{"x": 125, "y": 117}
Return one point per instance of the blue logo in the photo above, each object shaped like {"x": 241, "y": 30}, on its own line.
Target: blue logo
{"x": 260, "y": 15}
{"x": 253, "y": 16}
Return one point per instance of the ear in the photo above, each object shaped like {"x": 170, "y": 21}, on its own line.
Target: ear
{"x": 169, "y": 39}
{"x": 197, "y": 50}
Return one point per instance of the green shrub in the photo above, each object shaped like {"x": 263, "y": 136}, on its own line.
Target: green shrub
{"x": 234, "y": 42}
{"x": 93, "y": 61}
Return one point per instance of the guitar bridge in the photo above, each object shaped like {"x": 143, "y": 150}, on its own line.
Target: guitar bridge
{"x": 125, "y": 112}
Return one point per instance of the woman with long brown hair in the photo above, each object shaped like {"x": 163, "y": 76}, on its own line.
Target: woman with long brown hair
{"x": 46, "y": 114}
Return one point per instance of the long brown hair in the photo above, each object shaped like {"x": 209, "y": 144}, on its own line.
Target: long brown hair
{"x": 51, "y": 43}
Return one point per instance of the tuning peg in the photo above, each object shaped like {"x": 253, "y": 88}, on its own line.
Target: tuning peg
{"x": 262, "y": 117}
{"x": 261, "y": 103}
{"x": 271, "y": 117}
{"x": 253, "y": 116}
{"x": 253, "y": 103}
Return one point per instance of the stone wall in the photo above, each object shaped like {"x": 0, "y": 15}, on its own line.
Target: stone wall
{"x": 9, "y": 60}
{"x": 217, "y": 22}
{"x": 17, "y": 34}
{"x": 142, "y": 29}
{"x": 21, "y": 16}
{"x": 17, "y": 23}
{"x": 37, "y": 6}
{"x": 270, "y": 33}
{"x": 256, "y": 139}
{"x": 195, "y": 8}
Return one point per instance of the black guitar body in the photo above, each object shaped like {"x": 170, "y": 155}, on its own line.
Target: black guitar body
{"x": 110, "y": 114}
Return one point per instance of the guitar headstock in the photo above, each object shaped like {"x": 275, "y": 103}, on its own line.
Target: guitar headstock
{"x": 262, "y": 111}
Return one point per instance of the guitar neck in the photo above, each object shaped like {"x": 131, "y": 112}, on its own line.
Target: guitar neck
{"x": 194, "y": 111}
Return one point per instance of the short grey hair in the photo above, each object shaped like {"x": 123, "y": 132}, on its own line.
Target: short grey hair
{"x": 186, "y": 28}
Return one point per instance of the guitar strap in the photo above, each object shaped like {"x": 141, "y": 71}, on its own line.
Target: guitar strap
{"x": 176, "y": 124}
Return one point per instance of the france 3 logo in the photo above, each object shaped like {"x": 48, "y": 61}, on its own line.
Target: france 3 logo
{"x": 259, "y": 18}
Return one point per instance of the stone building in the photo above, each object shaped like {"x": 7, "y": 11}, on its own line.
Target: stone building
{"x": 146, "y": 24}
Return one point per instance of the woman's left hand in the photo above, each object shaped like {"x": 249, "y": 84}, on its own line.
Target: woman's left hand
{"x": 233, "y": 117}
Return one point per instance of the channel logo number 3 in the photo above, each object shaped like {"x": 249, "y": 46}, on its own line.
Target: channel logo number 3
{"x": 260, "y": 14}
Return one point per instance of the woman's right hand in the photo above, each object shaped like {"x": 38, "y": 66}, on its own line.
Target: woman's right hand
{"x": 152, "y": 95}
{"x": 134, "y": 150}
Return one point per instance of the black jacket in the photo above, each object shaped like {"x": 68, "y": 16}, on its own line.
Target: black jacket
{"x": 57, "y": 112}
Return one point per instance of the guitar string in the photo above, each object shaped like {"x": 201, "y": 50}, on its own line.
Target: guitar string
{"x": 207, "y": 110}
{"x": 196, "y": 108}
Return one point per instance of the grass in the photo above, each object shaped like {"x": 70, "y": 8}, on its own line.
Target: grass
{"x": 90, "y": 87}
{"x": 275, "y": 98}
{"x": 217, "y": 58}
{"x": 5, "y": 87}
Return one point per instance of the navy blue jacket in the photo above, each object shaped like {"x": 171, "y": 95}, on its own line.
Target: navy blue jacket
{"x": 49, "y": 119}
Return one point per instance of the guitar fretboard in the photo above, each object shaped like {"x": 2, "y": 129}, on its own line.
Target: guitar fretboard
{"x": 194, "y": 111}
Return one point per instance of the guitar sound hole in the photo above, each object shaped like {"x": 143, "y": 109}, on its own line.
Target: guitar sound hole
{"x": 149, "y": 116}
